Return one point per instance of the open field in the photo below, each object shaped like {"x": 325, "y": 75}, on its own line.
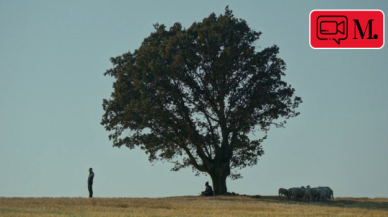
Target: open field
{"x": 191, "y": 206}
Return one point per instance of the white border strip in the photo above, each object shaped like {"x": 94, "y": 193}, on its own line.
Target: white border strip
{"x": 347, "y": 10}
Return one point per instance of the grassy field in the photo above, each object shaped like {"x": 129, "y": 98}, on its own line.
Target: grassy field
{"x": 191, "y": 206}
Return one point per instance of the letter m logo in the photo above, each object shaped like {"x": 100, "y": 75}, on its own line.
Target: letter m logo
{"x": 357, "y": 26}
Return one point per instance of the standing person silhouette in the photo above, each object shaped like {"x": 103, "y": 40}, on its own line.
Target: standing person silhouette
{"x": 90, "y": 182}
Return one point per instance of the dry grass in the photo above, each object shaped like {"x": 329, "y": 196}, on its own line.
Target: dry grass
{"x": 191, "y": 206}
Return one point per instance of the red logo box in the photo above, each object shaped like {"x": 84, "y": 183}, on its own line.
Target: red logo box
{"x": 347, "y": 29}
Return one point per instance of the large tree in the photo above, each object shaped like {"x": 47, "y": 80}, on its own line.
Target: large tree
{"x": 195, "y": 97}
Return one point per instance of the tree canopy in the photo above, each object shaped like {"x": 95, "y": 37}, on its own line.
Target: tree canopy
{"x": 192, "y": 97}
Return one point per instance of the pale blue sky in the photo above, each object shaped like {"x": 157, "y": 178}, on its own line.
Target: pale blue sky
{"x": 52, "y": 58}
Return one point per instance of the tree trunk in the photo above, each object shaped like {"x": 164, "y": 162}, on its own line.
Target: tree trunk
{"x": 219, "y": 171}
{"x": 219, "y": 184}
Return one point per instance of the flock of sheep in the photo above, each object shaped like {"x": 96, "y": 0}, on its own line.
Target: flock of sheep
{"x": 319, "y": 194}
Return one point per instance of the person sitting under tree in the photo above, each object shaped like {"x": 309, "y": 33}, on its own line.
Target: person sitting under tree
{"x": 208, "y": 191}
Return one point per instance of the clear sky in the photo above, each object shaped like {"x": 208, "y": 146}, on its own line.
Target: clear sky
{"x": 52, "y": 58}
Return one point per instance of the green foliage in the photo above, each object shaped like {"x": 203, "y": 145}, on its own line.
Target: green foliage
{"x": 192, "y": 96}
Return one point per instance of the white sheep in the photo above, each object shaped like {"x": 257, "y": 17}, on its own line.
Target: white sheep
{"x": 330, "y": 193}
{"x": 298, "y": 193}
{"x": 289, "y": 197}
{"x": 283, "y": 191}
{"x": 309, "y": 195}
{"x": 322, "y": 194}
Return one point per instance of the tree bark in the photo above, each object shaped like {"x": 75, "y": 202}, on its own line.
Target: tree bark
{"x": 219, "y": 170}
{"x": 219, "y": 184}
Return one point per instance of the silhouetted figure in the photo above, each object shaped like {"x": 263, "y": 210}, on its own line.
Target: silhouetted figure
{"x": 90, "y": 182}
{"x": 208, "y": 191}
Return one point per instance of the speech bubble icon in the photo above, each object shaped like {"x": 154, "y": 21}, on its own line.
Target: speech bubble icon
{"x": 332, "y": 27}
